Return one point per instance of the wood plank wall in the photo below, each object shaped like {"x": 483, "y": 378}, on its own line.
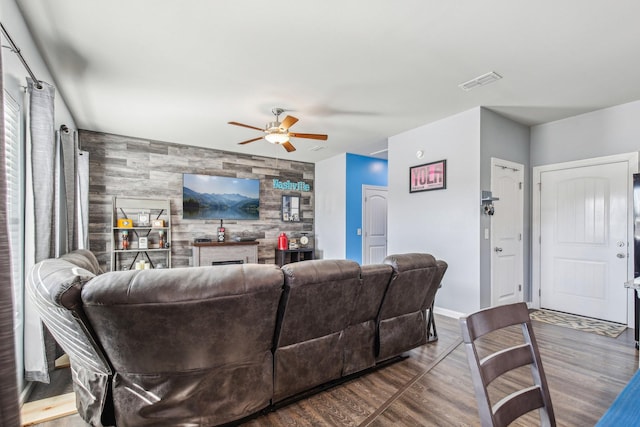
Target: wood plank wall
{"x": 132, "y": 167}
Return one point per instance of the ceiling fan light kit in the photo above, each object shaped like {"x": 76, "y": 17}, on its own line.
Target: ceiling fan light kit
{"x": 277, "y": 137}
{"x": 277, "y": 132}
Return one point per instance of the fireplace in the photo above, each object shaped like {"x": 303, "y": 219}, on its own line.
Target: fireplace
{"x": 215, "y": 253}
{"x": 232, "y": 261}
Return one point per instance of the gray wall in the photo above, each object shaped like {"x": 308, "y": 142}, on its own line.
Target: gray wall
{"x": 132, "y": 167}
{"x": 442, "y": 222}
{"x": 507, "y": 140}
{"x": 450, "y": 223}
{"x": 613, "y": 130}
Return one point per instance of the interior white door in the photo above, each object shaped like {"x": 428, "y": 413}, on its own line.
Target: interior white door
{"x": 374, "y": 242}
{"x": 583, "y": 232}
{"x": 507, "y": 223}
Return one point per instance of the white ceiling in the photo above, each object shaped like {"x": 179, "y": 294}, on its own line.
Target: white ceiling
{"x": 357, "y": 70}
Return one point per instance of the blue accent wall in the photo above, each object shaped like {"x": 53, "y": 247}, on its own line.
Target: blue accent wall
{"x": 361, "y": 170}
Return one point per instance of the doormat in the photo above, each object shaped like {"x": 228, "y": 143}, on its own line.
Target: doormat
{"x": 580, "y": 323}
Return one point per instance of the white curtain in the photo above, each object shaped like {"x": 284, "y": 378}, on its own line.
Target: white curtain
{"x": 9, "y": 409}
{"x": 82, "y": 192}
{"x": 56, "y": 218}
{"x": 74, "y": 189}
{"x": 39, "y": 219}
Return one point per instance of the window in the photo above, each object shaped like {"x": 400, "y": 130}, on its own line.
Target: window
{"x": 15, "y": 197}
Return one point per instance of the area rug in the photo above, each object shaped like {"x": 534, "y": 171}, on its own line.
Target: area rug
{"x": 586, "y": 324}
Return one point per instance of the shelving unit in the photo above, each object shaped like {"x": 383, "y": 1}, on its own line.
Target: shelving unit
{"x": 158, "y": 238}
{"x": 288, "y": 256}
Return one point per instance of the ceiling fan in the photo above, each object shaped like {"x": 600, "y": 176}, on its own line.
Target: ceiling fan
{"x": 278, "y": 132}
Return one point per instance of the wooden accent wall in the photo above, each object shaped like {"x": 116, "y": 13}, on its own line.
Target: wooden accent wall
{"x": 133, "y": 167}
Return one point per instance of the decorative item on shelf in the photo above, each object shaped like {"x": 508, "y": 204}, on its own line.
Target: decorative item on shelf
{"x": 143, "y": 219}
{"x": 143, "y": 243}
{"x": 283, "y": 242}
{"x": 487, "y": 200}
{"x": 221, "y": 232}
{"x": 304, "y": 240}
{"x": 125, "y": 239}
{"x": 293, "y": 244}
{"x": 125, "y": 223}
{"x": 143, "y": 265}
{"x": 157, "y": 223}
{"x": 161, "y": 238}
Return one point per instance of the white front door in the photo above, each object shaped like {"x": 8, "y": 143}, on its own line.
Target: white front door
{"x": 583, "y": 246}
{"x": 374, "y": 209}
{"x": 507, "y": 223}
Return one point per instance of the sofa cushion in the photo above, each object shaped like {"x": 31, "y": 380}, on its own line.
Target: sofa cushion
{"x": 316, "y": 308}
{"x": 413, "y": 274}
{"x": 147, "y": 320}
{"x": 360, "y": 336}
{"x": 401, "y": 322}
{"x": 55, "y": 286}
{"x": 83, "y": 258}
{"x": 59, "y": 282}
{"x": 190, "y": 346}
{"x": 320, "y": 296}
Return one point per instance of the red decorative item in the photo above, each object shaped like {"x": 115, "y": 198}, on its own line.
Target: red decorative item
{"x": 283, "y": 242}
{"x": 125, "y": 239}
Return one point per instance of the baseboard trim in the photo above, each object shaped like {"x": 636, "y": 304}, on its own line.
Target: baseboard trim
{"x": 26, "y": 391}
{"x": 447, "y": 313}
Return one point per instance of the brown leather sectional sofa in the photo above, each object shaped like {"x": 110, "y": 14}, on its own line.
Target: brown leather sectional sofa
{"x": 211, "y": 345}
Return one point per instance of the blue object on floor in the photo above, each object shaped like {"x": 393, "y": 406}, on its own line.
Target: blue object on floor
{"x": 624, "y": 411}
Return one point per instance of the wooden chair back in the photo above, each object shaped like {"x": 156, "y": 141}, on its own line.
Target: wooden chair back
{"x": 498, "y": 362}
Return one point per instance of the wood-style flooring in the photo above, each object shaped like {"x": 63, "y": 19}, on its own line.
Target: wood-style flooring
{"x": 432, "y": 387}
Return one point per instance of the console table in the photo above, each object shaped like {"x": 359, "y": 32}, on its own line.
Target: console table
{"x": 288, "y": 256}
{"x": 212, "y": 253}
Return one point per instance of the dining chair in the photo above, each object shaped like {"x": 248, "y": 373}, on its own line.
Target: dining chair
{"x": 494, "y": 358}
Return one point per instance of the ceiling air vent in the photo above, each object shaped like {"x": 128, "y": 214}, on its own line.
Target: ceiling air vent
{"x": 317, "y": 148}
{"x": 482, "y": 80}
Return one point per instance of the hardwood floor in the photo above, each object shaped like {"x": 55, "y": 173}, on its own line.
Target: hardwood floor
{"x": 432, "y": 387}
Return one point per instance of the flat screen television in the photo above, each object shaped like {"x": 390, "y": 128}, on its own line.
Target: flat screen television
{"x": 220, "y": 197}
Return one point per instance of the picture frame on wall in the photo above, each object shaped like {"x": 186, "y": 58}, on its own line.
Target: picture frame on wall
{"x": 291, "y": 208}
{"x": 428, "y": 176}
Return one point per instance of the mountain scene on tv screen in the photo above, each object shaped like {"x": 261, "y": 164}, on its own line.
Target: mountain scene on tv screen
{"x": 197, "y": 205}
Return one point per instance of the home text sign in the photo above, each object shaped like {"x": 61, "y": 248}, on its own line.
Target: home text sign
{"x": 430, "y": 176}
{"x": 291, "y": 186}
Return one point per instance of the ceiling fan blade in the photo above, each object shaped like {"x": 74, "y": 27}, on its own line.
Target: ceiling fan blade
{"x": 288, "y": 122}
{"x": 309, "y": 135}
{"x": 249, "y": 140}
{"x": 287, "y": 146}
{"x": 245, "y": 126}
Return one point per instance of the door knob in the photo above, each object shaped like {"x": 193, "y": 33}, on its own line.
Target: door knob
{"x": 621, "y": 255}
{"x": 497, "y": 249}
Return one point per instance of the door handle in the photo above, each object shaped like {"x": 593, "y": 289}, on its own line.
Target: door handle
{"x": 621, "y": 255}
{"x": 497, "y": 249}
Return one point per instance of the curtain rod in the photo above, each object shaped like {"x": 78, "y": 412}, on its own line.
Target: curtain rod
{"x": 15, "y": 49}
